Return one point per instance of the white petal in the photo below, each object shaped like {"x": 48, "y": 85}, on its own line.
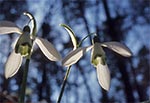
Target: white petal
{"x": 9, "y": 27}
{"x": 72, "y": 35}
{"x": 118, "y": 48}
{"x": 48, "y": 49}
{"x": 14, "y": 42}
{"x": 13, "y": 64}
{"x": 75, "y": 55}
{"x": 103, "y": 75}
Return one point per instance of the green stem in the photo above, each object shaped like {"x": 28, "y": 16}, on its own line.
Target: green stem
{"x": 31, "y": 17}
{"x": 23, "y": 85}
{"x": 25, "y": 72}
{"x": 64, "y": 84}
{"x": 85, "y": 38}
{"x": 69, "y": 69}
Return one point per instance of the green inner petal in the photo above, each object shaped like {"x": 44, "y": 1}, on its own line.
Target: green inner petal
{"x": 98, "y": 55}
{"x": 98, "y": 59}
{"x": 24, "y": 50}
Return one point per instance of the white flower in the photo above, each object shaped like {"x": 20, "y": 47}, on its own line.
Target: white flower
{"x": 24, "y": 46}
{"x": 98, "y": 59}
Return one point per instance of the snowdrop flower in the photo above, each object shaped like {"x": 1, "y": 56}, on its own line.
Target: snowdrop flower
{"x": 24, "y": 44}
{"x": 98, "y": 58}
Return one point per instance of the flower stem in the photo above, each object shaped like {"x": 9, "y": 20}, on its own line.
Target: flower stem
{"x": 64, "y": 84}
{"x": 24, "y": 81}
{"x": 69, "y": 68}
{"x": 85, "y": 38}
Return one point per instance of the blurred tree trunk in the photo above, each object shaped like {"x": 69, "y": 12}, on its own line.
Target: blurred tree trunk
{"x": 142, "y": 68}
{"x": 5, "y": 85}
{"x": 43, "y": 82}
{"x": 104, "y": 98}
{"x": 82, "y": 8}
{"x": 98, "y": 29}
{"x": 140, "y": 89}
{"x": 121, "y": 63}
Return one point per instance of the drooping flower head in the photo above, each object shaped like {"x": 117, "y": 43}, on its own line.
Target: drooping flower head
{"x": 98, "y": 58}
{"x": 25, "y": 44}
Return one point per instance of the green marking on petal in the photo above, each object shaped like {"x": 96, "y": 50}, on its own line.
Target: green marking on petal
{"x": 24, "y": 50}
{"x": 98, "y": 59}
{"x": 98, "y": 55}
{"x": 24, "y": 43}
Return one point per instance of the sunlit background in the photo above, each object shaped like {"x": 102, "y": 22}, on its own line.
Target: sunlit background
{"x": 125, "y": 21}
